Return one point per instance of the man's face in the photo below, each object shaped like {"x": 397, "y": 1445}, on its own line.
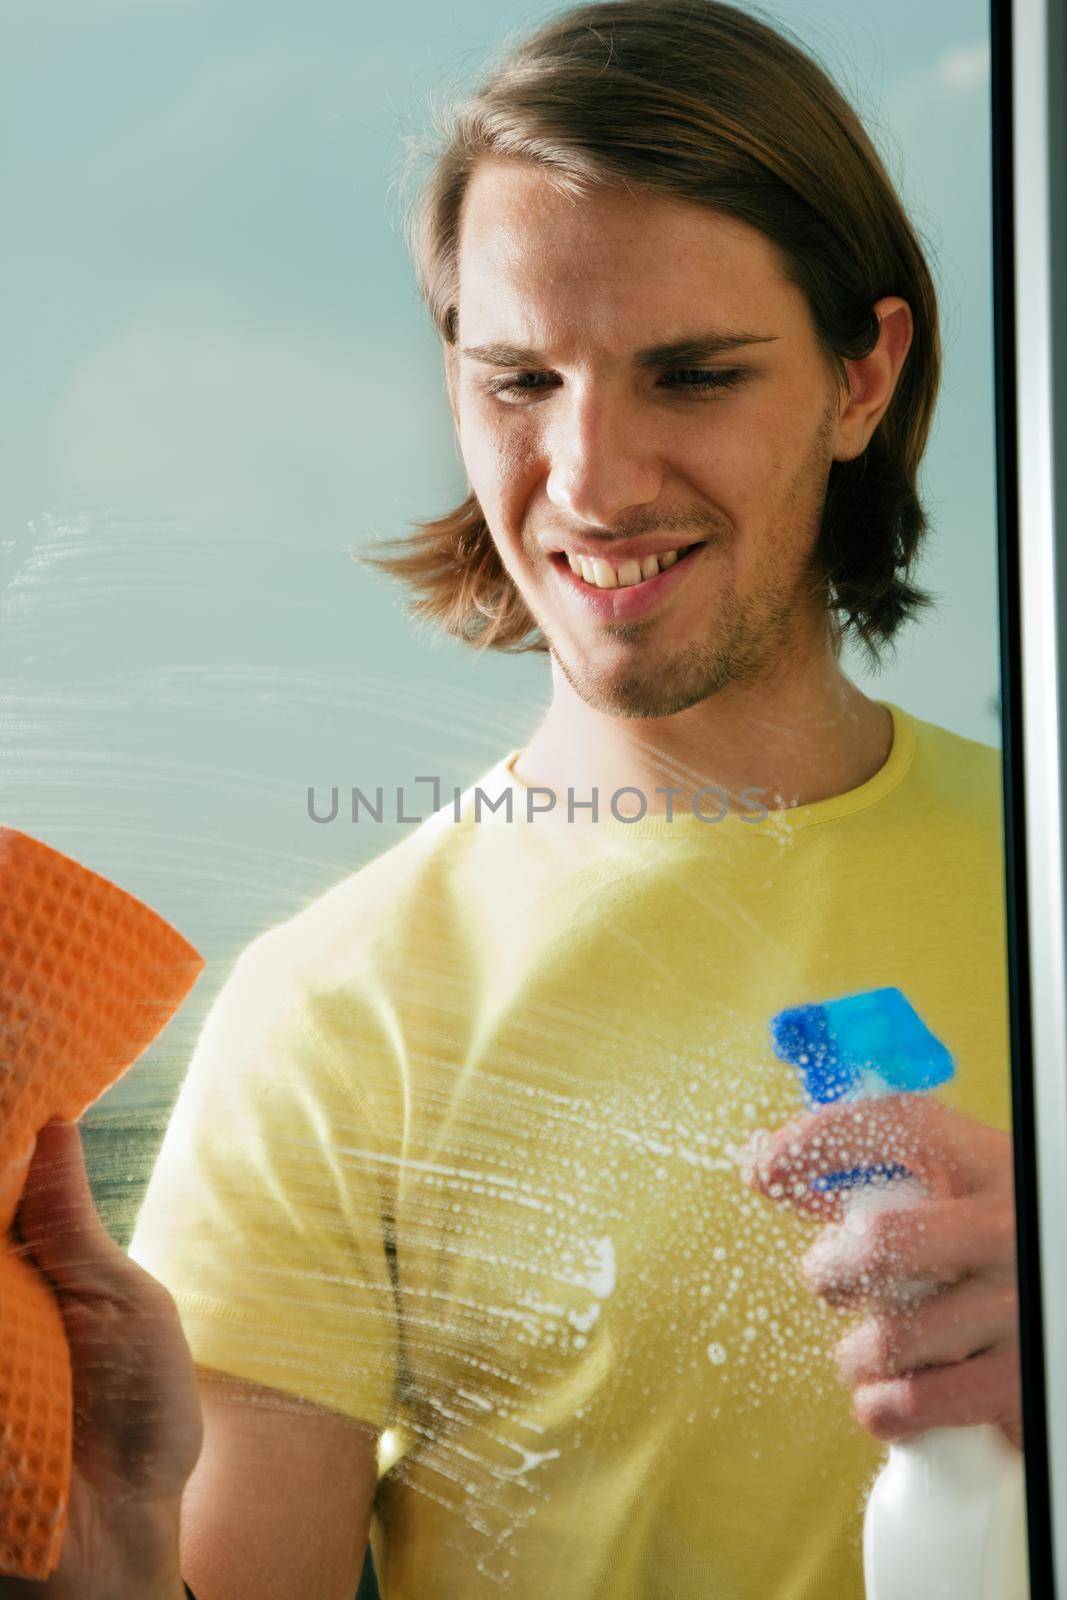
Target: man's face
{"x": 587, "y": 439}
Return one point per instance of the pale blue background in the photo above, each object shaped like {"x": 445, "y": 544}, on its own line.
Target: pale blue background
{"x": 219, "y": 378}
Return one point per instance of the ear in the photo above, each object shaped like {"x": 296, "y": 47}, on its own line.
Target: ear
{"x": 873, "y": 379}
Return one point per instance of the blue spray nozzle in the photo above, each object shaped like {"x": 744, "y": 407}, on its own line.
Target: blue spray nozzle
{"x": 858, "y": 1047}
{"x": 863, "y": 1044}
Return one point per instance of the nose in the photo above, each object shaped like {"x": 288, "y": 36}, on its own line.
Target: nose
{"x": 602, "y": 459}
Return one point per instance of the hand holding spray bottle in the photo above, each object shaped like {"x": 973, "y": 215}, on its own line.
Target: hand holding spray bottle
{"x": 946, "y": 1518}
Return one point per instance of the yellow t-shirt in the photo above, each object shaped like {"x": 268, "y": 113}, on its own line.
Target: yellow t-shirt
{"x": 453, "y": 1156}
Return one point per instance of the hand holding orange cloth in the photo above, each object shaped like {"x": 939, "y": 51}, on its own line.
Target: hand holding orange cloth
{"x": 89, "y": 976}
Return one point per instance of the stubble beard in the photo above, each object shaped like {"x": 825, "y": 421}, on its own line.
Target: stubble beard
{"x": 742, "y": 644}
{"x": 745, "y": 640}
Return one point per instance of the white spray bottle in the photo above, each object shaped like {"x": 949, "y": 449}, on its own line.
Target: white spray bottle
{"x": 946, "y": 1518}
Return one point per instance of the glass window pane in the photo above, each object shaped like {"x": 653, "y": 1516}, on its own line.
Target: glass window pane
{"x": 502, "y": 553}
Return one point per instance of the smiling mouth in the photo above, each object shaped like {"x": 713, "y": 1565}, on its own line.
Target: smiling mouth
{"x": 600, "y": 573}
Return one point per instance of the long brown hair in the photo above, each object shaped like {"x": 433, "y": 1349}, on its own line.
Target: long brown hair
{"x": 702, "y": 101}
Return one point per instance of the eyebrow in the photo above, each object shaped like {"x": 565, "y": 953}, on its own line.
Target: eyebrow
{"x": 687, "y": 351}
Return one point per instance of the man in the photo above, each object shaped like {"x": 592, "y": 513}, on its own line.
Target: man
{"x": 450, "y": 1202}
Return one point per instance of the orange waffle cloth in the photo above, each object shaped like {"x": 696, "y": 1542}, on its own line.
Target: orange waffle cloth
{"x": 88, "y": 978}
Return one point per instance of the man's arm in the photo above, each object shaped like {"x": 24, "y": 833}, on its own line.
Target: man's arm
{"x": 279, "y": 1504}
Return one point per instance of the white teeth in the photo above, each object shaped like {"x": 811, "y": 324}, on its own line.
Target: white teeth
{"x": 602, "y": 575}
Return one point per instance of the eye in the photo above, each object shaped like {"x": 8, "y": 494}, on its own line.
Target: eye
{"x": 516, "y": 384}
{"x": 700, "y": 378}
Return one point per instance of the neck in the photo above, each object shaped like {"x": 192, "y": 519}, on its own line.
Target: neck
{"x": 799, "y": 737}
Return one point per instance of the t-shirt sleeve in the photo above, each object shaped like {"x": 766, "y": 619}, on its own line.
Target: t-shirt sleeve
{"x": 264, "y": 1216}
